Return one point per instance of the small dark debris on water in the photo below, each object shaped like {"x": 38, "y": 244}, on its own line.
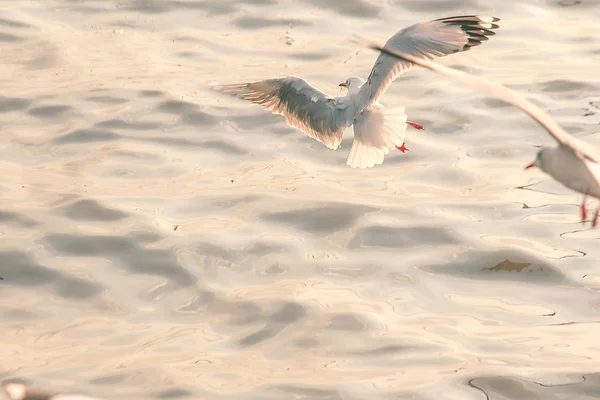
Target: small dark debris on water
{"x": 569, "y": 3}
{"x": 175, "y": 228}
{"x": 233, "y": 180}
{"x": 509, "y": 266}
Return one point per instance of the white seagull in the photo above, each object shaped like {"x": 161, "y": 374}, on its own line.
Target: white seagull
{"x": 571, "y": 162}
{"x": 376, "y": 129}
{"x": 18, "y": 391}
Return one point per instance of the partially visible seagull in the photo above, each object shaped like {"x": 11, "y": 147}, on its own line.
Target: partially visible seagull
{"x": 18, "y": 391}
{"x": 377, "y": 129}
{"x": 572, "y": 163}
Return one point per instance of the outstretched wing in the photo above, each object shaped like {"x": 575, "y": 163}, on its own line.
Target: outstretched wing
{"x": 503, "y": 93}
{"x": 318, "y": 115}
{"x": 435, "y": 38}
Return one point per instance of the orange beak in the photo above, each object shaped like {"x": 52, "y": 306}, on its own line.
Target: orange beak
{"x": 343, "y": 84}
{"x": 530, "y": 165}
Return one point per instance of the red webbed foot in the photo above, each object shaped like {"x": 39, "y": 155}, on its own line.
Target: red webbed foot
{"x": 418, "y": 127}
{"x": 583, "y": 209}
{"x": 402, "y": 148}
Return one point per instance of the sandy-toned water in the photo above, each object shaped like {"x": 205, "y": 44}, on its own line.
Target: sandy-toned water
{"x": 163, "y": 241}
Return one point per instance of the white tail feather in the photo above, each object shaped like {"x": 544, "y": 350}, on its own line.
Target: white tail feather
{"x": 376, "y": 132}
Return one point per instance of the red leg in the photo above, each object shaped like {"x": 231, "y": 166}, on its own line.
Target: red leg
{"x": 595, "y": 220}
{"x": 402, "y": 148}
{"x": 418, "y": 127}
{"x": 583, "y": 210}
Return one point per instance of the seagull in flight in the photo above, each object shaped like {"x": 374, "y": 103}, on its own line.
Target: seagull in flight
{"x": 377, "y": 129}
{"x": 571, "y": 162}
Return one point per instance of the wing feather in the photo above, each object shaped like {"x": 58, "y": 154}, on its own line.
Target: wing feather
{"x": 304, "y": 107}
{"x": 430, "y": 39}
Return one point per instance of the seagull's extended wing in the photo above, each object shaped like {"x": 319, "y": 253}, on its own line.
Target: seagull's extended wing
{"x": 320, "y": 116}
{"x": 430, "y": 39}
{"x": 499, "y": 91}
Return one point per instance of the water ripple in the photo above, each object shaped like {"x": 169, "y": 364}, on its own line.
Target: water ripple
{"x": 160, "y": 240}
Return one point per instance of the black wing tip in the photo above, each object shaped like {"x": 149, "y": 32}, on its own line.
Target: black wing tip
{"x": 479, "y": 36}
{"x": 477, "y": 27}
{"x": 474, "y": 32}
{"x": 472, "y": 43}
{"x": 485, "y": 32}
{"x": 470, "y": 18}
{"x": 473, "y": 25}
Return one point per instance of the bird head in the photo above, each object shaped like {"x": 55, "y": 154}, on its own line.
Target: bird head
{"x": 353, "y": 83}
{"x": 539, "y": 159}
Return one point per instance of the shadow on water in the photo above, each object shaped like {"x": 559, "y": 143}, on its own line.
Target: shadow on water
{"x": 120, "y": 124}
{"x": 211, "y": 8}
{"x": 106, "y": 99}
{"x": 561, "y": 85}
{"x": 347, "y": 322}
{"x": 351, "y": 8}
{"x": 226, "y": 257}
{"x": 151, "y": 93}
{"x": 188, "y": 113}
{"x": 287, "y": 315}
{"x": 116, "y": 129}
{"x": 13, "y": 24}
{"x": 8, "y": 104}
{"x": 87, "y": 136}
{"x": 247, "y": 22}
{"x": 7, "y": 37}
{"x": 323, "y": 220}
{"x": 398, "y": 238}
{"x": 312, "y": 56}
{"x": 507, "y": 387}
{"x": 91, "y": 210}
{"x": 175, "y": 393}
{"x": 439, "y": 5}
{"x": 9, "y": 216}
{"x": 48, "y": 111}
{"x": 20, "y": 268}
{"x": 261, "y": 120}
{"x": 126, "y": 252}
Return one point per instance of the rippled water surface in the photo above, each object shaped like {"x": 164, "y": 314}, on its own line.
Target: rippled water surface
{"x": 163, "y": 241}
